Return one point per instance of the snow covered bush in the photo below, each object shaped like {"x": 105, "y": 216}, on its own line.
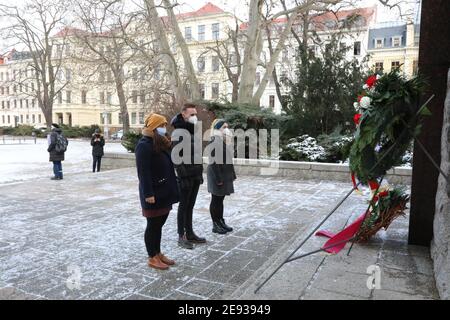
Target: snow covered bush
{"x": 303, "y": 148}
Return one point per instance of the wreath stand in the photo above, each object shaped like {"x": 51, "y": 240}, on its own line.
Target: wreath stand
{"x": 290, "y": 258}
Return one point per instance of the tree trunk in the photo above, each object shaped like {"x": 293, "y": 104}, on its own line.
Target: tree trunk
{"x": 123, "y": 105}
{"x": 189, "y": 68}
{"x": 161, "y": 36}
{"x": 251, "y": 52}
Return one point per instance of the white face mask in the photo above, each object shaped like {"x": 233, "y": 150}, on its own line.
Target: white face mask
{"x": 161, "y": 131}
{"x": 193, "y": 120}
{"x": 227, "y": 132}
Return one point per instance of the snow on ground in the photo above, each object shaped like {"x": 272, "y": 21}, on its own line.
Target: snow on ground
{"x": 26, "y": 160}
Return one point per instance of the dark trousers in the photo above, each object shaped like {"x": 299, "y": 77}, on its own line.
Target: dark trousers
{"x": 153, "y": 234}
{"x": 188, "y": 196}
{"x": 57, "y": 169}
{"x": 216, "y": 207}
{"x": 97, "y": 162}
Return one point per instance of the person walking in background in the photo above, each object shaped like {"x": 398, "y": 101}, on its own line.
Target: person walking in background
{"x": 57, "y": 148}
{"x": 189, "y": 177}
{"x": 220, "y": 173}
{"x": 97, "y": 143}
{"x": 158, "y": 189}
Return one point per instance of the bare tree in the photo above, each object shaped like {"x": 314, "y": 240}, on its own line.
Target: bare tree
{"x": 32, "y": 27}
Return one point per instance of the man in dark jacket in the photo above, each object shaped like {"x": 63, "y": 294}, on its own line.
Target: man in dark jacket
{"x": 56, "y": 153}
{"x": 190, "y": 177}
{"x": 97, "y": 143}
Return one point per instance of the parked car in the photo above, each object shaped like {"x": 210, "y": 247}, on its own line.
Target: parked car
{"x": 117, "y": 135}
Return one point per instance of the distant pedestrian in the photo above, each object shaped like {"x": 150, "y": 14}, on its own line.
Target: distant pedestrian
{"x": 97, "y": 143}
{"x": 57, "y": 148}
{"x": 158, "y": 189}
{"x": 189, "y": 177}
{"x": 220, "y": 173}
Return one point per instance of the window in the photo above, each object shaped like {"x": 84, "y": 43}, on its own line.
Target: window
{"x": 135, "y": 74}
{"x": 9, "y": 119}
{"x": 68, "y": 51}
{"x": 109, "y": 98}
{"x": 15, "y": 103}
{"x": 120, "y": 118}
{"x": 39, "y": 118}
{"x": 32, "y": 87}
{"x": 202, "y": 91}
{"x": 83, "y": 97}
{"x": 101, "y": 77}
{"x": 215, "y": 91}
{"x": 415, "y": 67}
{"x": 60, "y": 97}
{"x": 33, "y": 104}
{"x": 68, "y": 74}
{"x": 378, "y": 67}
{"x": 142, "y": 96}
{"x": 21, "y": 104}
{"x": 188, "y": 33}
{"x": 357, "y": 48}
{"x": 3, "y": 119}
{"x": 395, "y": 65}
{"x": 379, "y": 43}
{"x": 272, "y": 101}
{"x": 68, "y": 96}
{"x": 21, "y": 118}
{"x": 109, "y": 76}
{"x": 215, "y": 31}
{"x": 141, "y": 118}
{"x": 201, "y": 32}
{"x": 157, "y": 72}
{"x": 27, "y": 104}
{"x": 201, "y": 64}
{"x": 2, "y": 89}
{"x": 396, "y": 41}
{"x": 102, "y": 97}
{"x": 215, "y": 63}
{"x": 33, "y": 118}
{"x": 134, "y": 95}
{"x": 133, "y": 117}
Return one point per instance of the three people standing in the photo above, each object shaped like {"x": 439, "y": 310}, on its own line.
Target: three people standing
{"x": 97, "y": 143}
{"x": 189, "y": 177}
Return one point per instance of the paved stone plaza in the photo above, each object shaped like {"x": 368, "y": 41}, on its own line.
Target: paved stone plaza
{"x": 92, "y": 223}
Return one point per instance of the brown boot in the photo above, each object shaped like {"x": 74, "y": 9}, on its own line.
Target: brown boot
{"x": 156, "y": 263}
{"x": 166, "y": 260}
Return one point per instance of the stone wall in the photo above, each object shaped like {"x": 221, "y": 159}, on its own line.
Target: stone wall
{"x": 440, "y": 245}
{"x": 290, "y": 169}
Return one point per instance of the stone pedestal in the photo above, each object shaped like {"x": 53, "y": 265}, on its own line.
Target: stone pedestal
{"x": 440, "y": 245}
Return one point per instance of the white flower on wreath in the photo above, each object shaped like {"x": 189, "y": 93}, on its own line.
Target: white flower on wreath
{"x": 356, "y": 106}
{"x": 365, "y": 102}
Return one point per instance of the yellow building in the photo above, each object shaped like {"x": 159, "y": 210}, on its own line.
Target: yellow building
{"x": 394, "y": 45}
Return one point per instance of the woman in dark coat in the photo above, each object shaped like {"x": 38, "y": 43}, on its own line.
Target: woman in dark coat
{"x": 157, "y": 185}
{"x": 56, "y": 156}
{"x": 220, "y": 173}
{"x": 97, "y": 143}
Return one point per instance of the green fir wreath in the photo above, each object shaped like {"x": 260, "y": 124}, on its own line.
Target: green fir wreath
{"x": 387, "y": 123}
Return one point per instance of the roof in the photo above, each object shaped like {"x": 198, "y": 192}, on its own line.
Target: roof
{"x": 206, "y": 10}
{"x": 322, "y": 21}
{"x": 68, "y": 31}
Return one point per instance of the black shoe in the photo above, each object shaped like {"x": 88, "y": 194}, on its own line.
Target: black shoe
{"x": 217, "y": 228}
{"x": 225, "y": 226}
{"x": 55, "y": 178}
{"x": 192, "y": 237}
{"x": 185, "y": 243}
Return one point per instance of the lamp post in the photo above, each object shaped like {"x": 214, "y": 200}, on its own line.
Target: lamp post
{"x": 105, "y": 128}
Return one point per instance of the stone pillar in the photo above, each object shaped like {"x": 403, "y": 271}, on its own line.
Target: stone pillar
{"x": 434, "y": 62}
{"x": 440, "y": 245}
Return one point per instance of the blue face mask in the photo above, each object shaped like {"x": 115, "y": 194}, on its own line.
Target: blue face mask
{"x": 161, "y": 131}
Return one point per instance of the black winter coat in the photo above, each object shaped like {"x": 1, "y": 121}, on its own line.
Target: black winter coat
{"x": 97, "y": 146}
{"x": 187, "y": 171}
{"x": 55, "y": 156}
{"x": 220, "y": 169}
{"x": 156, "y": 176}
